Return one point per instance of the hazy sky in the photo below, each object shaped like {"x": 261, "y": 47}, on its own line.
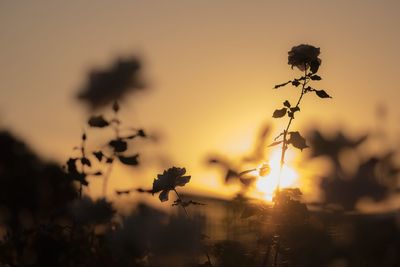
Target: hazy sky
{"x": 210, "y": 66}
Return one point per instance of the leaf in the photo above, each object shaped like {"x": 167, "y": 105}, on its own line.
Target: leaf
{"x": 118, "y": 145}
{"x": 295, "y": 109}
{"x": 131, "y": 160}
{"x": 297, "y": 140}
{"x": 286, "y": 103}
{"x": 230, "y": 174}
{"x": 84, "y": 137}
{"x": 292, "y": 111}
{"x": 322, "y": 94}
{"x": 98, "y": 121}
{"x": 98, "y": 173}
{"x": 85, "y": 161}
{"x": 99, "y": 155}
{"x": 315, "y": 77}
{"x": 296, "y": 83}
{"x": 275, "y": 143}
{"x": 164, "y": 195}
{"x": 109, "y": 160}
{"x": 279, "y": 113}
{"x": 280, "y": 85}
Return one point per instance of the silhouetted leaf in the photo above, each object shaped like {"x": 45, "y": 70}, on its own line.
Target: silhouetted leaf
{"x": 315, "y": 77}
{"x": 295, "y": 109}
{"x": 131, "y": 160}
{"x": 322, "y": 94}
{"x": 84, "y": 136}
{"x": 282, "y": 84}
{"x": 275, "y": 143}
{"x": 109, "y": 160}
{"x": 164, "y": 195}
{"x": 97, "y": 121}
{"x": 85, "y": 161}
{"x": 279, "y": 113}
{"x": 286, "y": 104}
{"x": 99, "y": 155}
{"x": 296, "y": 83}
{"x": 297, "y": 140}
{"x": 98, "y": 173}
{"x": 230, "y": 174}
{"x": 118, "y": 145}
{"x": 71, "y": 165}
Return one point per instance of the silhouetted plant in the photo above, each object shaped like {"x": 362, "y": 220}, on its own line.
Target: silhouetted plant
{"x": 107, "y": 86}
{"x": 168, "y": 181}
{"x": 118, "y": 145}
{"x": 305, "y": 58}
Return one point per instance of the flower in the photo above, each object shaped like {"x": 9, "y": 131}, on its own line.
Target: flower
{"x": 167, "y": 181}
{"x": 108, "y": 85}
{"x": 304, "y": 56}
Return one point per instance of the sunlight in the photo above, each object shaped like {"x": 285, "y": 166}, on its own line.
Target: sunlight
{"x": 266, "y": 185}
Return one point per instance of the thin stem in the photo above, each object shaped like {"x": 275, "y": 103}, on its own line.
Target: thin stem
{"x": 83, "y": 154}
{"x": 110, "y": 167}
{"x": 181, "y": 201}
{"x": 187, "y": 215}
{"x": 286, "y": 131}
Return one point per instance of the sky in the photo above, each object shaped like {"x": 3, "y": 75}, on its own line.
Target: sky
{"x": 210, "y": 67}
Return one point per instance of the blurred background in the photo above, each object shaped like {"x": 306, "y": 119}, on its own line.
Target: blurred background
{"x": 209, "y": 69}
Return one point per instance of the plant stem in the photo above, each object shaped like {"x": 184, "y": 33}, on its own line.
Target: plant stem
{"x": 285, "y": 132}
{"x": 181, "y": 201}
{"x": 83, "y": 154}
{"x": 110, "y": 167}
{"x": 187, "y": 215}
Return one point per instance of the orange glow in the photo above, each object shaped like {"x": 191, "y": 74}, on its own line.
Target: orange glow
{"x": 266, "y": 185}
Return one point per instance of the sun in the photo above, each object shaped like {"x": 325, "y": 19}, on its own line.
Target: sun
{"x": 266, "y": 185}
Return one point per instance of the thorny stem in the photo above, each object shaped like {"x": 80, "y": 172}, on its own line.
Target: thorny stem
{"x": 187, "y": 215}
{"x": 285, "y": 132}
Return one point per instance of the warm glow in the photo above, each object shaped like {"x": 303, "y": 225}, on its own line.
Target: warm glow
{"x": 266, "y": 185}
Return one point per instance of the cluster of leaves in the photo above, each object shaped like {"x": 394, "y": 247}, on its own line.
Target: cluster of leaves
{"x": 117, "y": 149}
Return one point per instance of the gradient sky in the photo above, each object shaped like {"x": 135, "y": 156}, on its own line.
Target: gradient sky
{"x": 211, "y": 66}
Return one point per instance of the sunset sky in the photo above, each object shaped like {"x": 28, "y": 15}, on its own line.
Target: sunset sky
{"x": 210, "y": 68}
